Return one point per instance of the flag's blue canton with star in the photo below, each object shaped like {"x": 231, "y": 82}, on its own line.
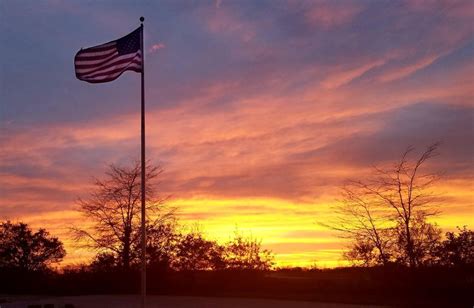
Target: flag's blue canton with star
{"x": 129, "y": 43}
{"x": 108, "y": 61}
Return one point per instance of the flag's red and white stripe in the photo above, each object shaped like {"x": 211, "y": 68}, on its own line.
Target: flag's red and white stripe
{"x": 103, "y": 63}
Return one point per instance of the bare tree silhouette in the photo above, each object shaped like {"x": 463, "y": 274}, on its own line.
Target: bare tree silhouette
{"x": 383, "y": 214}
{"x": 113, "y": 207}
{"x": 362, "y": 221}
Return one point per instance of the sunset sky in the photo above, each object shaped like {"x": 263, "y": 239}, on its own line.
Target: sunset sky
{"x": 258, "y": 111}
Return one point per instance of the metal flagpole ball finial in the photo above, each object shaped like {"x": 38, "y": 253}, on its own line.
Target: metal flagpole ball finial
{"x": 142, "y": 19}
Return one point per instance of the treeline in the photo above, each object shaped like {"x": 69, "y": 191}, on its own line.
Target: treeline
{"x": 456, "y": 249}
{"x": 168, "y": 250}
{"x": 27, "y": 256}
{"x": 193, "y": 265}
{"x": 23, "y": 250}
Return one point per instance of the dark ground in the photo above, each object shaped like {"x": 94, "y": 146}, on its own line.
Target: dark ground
{"x": 431, "y": 287}
{"x": 126, "y": 301}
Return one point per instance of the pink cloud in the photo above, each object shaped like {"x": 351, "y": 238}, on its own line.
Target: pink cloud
{"x": 224, "y": 21}
{"x": 455, "y": 9}
{"x": 347, "y": 75}
{"x": 328, "y": 15}
{"x": 155, "y": 47}
{"x": 402, "y": 71}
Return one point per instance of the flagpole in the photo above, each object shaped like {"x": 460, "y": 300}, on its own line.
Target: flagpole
{"x": 143, "y": 170}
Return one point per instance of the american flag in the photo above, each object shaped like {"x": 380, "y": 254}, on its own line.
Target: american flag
{"x": 108, "y": 61}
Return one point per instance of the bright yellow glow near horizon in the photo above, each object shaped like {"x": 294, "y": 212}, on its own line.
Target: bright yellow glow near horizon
{"x": 289, "y": 229}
